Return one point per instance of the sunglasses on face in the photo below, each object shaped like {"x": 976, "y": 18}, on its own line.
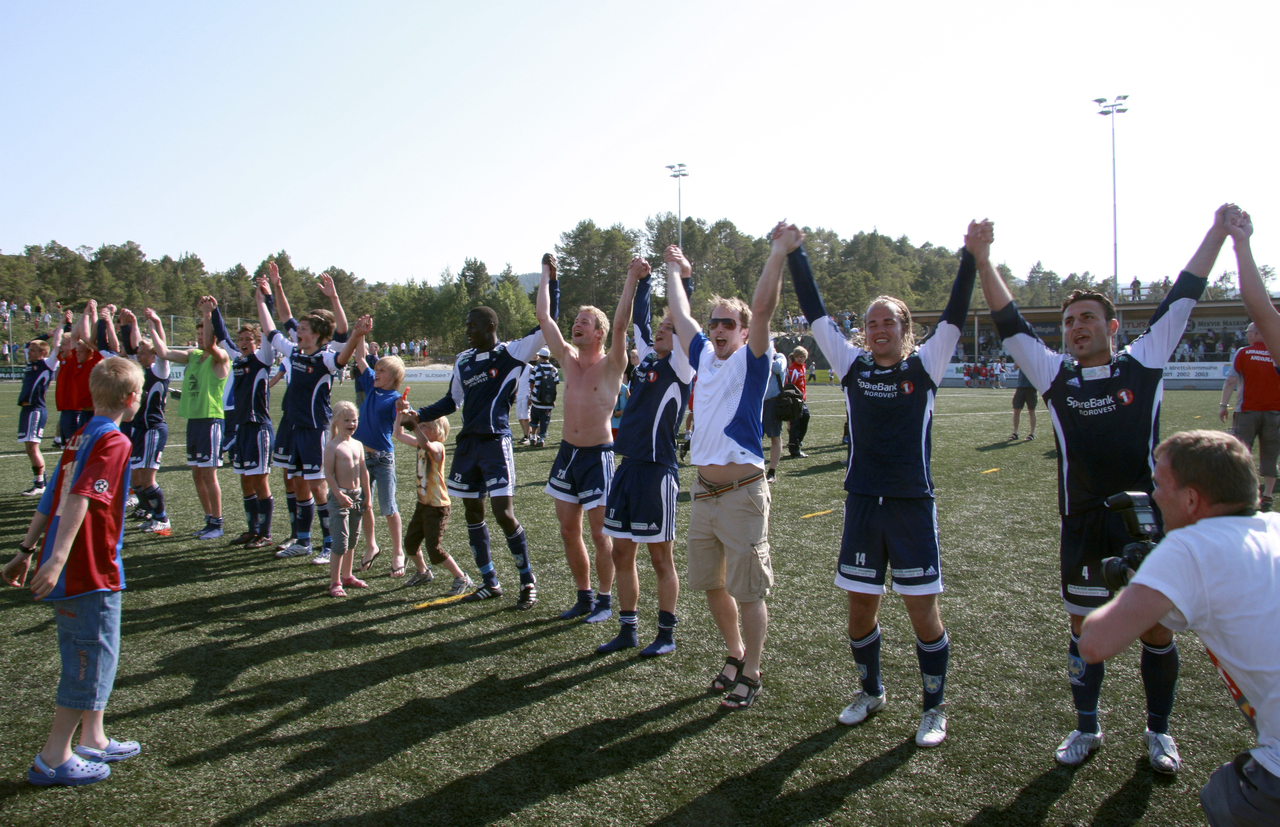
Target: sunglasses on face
{"x": 727, "y": 324}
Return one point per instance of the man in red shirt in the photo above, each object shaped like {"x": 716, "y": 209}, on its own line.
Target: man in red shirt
{"x": 799, "y": 426}
{"x": 1258, "y": 416}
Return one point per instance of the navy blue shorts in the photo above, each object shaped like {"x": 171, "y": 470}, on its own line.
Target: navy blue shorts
{"x": 204, "y": 443}
{"x": 581, "y": 475}
{"x": 1087, "y": 539}
{"x": 884, "y": 534}
{"x": 304, "y": 452}
{"x": 31, "y": 422}
{"x": 251, "y": 448}
{"x": 68, "y": 423}
{"x": 482, "y": 465}
{"x": 229, "y": 429}
{"x": 148, "y": 446}
{"x": 280, "y": 449}
{"x": 642, "y": 502}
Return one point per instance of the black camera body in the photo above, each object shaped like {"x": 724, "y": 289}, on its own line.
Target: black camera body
{"x": 1140, "y": 522}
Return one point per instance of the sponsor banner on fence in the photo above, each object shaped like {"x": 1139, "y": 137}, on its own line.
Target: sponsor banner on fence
{"x": 177, "y": 371}
{"x": 1175, "y": 371}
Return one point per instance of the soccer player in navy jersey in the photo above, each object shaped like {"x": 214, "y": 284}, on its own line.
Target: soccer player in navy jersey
{"x": 642, "y": 494}
{"x": 729, "y": 556}
{"x": 890, "y": 518}
{"x": 1104, "y": 404}
{"x": 579, "y": 477}
{"x": 300, "y": 442}
{"x": 41, "y": 367}
{"x": 150, "y": 432}
{"x": 482, "y": 385}
{"x": 252, "y": 432}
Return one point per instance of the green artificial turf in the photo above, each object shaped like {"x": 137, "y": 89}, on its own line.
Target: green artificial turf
{"x": 260, "y": 700}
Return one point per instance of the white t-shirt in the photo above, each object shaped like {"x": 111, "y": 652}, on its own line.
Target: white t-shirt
{"x": 728, "y": 404}
{"x": 1223, "y": 576}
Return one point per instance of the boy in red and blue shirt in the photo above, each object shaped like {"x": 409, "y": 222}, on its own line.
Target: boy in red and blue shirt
{"x": 80, "y": 571}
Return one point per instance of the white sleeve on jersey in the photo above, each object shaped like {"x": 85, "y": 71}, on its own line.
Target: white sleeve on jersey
{"x": 160, "y": 367}
{"x": 525, "y": 349}
{"x": 265, "y": 352}
{"x": 281, "y": 344}
{"x": 680, "y": 360}
{"x": 935, "y": 352}
{"x": 840, "y": 352}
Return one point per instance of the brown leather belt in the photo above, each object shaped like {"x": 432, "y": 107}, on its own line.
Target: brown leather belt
{"x": 713, "y": 490}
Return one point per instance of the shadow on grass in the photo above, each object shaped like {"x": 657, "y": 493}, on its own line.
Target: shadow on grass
{"x": 824, "y": 468}
{"x": 998, "y": 446}
{"x": 12, "y": 789}
{"x": 1128, "y": 804}
{"x": 753, "y": 797}
{"x": 1032, "y": 804}
{"x": 554, "y": 767}
{"x": 214, "y": 665}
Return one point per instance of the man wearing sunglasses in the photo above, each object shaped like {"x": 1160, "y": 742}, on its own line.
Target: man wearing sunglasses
{"x": 729, "y": 521}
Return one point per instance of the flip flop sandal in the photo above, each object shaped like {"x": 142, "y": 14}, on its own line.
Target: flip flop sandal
{"x": 367, "y": 564}
{"x": 722, "y": 682}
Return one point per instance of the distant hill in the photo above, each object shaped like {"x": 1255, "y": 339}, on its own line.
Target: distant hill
{"x": 529, "y": 281}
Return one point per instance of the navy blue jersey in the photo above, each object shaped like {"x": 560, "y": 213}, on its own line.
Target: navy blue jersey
{"x": 251, "y": 400}
{"x": 484, "y": 381}
{"x": 1106, "y": 419}
{"x": 306, "y": 400}
{"x": 35, "y": 381}
{"x": 890, "y": 408}
{"x": 155, "y": 392}
{"x": 658, "y": 393}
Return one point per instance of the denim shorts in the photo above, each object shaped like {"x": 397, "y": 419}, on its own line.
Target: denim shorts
{"x": 89, "y": 642}
{"x": 382, "y": 473}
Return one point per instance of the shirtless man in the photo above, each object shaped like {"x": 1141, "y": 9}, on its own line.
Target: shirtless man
{"x": 580, "y": 476}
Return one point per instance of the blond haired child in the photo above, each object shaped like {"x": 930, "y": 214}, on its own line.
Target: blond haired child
{"x": 348, "y": 479}
{"x": 431, "y": 514}
{"x": 81, "y": 514}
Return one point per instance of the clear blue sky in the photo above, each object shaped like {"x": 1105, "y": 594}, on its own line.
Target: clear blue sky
{"x": 395, "y": 139}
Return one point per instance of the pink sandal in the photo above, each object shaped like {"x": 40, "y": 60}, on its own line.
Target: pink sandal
{"x": 336, "y": 590}
{"x": 354, "y": 583}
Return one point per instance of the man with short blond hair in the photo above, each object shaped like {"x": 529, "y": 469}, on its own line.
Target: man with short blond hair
{"x": 580, "y": 475}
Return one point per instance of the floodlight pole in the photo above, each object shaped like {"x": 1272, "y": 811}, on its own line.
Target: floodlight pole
{"x": 1114, "y": 108}
{"x": 678, "y": 171}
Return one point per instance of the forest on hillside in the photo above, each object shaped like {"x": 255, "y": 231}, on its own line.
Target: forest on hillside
{"x": 593, "y": 263}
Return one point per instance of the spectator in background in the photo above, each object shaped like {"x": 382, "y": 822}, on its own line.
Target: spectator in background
{"x": 799, "y": 426}
{"x": 1258, "y": 411}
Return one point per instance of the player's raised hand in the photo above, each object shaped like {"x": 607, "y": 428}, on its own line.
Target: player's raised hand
{"x": 152, "y": 316}
{"x": 274, "y": 272}
{"x": 91, "y": 309}
{"x": 787, "y": 235}
{"x": 639, "y": 268}
{"x": 1240, "y": 226}
{"x": 264, "y": 287}
{"x": 1223, "y": 215}
{"x": 364, "y": 326}
{"x": 550, "y": 266}
{"x": 326, "y": 285}
{"x": 674, "y": 255}
{"x": 979, "y": 238}
{"x": 126, "y": 316}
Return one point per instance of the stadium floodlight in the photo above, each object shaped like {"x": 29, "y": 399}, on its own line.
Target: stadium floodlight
{"x": 678, "y": 171}
{"x": 1113, "y": 108}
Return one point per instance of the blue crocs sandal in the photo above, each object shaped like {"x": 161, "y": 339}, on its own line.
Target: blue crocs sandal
{"x": 115, "y": 751}
{"x": 74, "y": 773}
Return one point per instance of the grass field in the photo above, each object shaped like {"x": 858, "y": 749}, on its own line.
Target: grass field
{"x": 260, "y": 700}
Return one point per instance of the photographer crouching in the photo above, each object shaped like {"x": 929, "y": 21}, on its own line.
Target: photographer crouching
{"x": 1217, "y": 572}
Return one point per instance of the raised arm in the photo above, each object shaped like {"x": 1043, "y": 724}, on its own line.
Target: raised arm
{"x": 273, "y": 274}
{"x": 108, "y": 340}
{"x": 357, "y": 340}
{"x": 220, "y": 333}
{"x": 1257, "y": 302}
{"x": 221, "y": 361}
{"x": 339, "y": 315}
{"x": 1201, "y": 264}
{"x": 977, "y": 243}
{"x": 785, "y": 239}
{"x": 158, "y": 342}
{"x": 84, "y": 331}
{"x": 133, "y": 336}
{"x": 636, "y": 270}
{"x": 550, "y": 330}
{"x": 679, "y": 271}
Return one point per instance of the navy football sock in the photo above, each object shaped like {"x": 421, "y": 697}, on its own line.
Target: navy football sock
{"x": 291, "y": 502}
{"x": 265, "y": 510}
{"x": 1160, "y": 680}
{"x": 665, "y": 642}
{"x": 302, "y": 523}
{"x": 322, "y": 511}
{"x": 519, "y": 548}
{"x": 251, "y": 513}
{"x": 1086, "y": 687}
{"x": 478, "y": 536}
{"x": 866, "y": 653}
{"x": 626, "y": 638}
{"x": 933, "y": 657}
